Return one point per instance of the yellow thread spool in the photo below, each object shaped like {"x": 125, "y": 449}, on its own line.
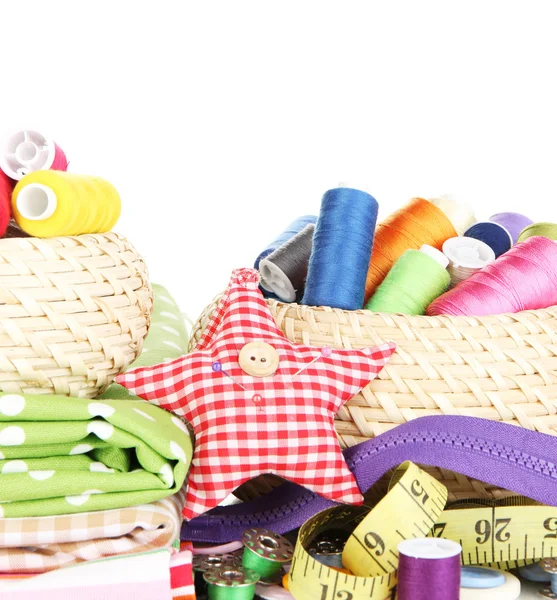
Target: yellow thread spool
{"x": 52, "y": 203}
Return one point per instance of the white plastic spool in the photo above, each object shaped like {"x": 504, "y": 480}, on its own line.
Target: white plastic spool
{"x": 26, "y": 151}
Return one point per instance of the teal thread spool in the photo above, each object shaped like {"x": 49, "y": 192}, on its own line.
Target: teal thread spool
{"x": 414, "y": 281}
{"x": 230, "y": 583}
{"x": 266, "y": 552}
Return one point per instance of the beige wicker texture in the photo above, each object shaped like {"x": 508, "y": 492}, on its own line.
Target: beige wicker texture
{"x": 501, "y": 367}
{"x": 73, "y": 313}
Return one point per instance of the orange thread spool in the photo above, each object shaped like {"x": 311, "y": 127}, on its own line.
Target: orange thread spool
{"x": 418, "y": 222}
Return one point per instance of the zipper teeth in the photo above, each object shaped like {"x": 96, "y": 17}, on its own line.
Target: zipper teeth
{"x": 469, "y": 443}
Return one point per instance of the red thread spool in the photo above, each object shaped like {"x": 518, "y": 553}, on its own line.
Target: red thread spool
{"x": 524, "y": 278}
{"x": 27, "y": 151}
{"x": 6, "y": 188}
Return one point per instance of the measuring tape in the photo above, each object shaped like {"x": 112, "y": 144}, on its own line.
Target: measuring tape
{"x": 500, "y": 534}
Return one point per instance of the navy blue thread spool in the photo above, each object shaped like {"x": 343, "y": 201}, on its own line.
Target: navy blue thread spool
{"x": 341, "y": 252}
{"x": 493, "y": 234}
{"x": 295, "y": 227}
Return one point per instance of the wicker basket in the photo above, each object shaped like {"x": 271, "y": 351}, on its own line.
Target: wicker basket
{"x": 73, "y": 313}
{"x": 501, "y": 367}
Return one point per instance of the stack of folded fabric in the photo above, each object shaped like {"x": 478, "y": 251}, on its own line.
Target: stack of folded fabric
{"x": 83, "y": 480}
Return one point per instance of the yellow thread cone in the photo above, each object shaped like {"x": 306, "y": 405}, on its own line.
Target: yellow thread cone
{"x": 52, "y": 203}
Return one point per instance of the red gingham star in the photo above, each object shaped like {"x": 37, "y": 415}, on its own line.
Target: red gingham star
{"x": 244, "y": 425}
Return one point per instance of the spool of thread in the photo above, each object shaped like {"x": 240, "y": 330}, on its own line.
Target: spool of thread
{"x": 284, "y": 271}
{"x": 429, "y": 569}
{"x": 545, "y": 229}
{"x": 53, "y": 203}
{"x": 231, "y": 583}
{"x": 265, "y": 553}
{"x": 460, "y": 213}
{"x": 525, "y": 278}
{"x": 509, "y": 590}
{"x": 295, "y": 227}
{"x": 513, "y": 222}
{"x": 6, "y": 187}
{"x": 341, "y": 249}
{"x": 533, "y": 572}
{"x": 417, "y": 223}
{"x": 493, "y": 234}
{"x": 415, "y": 280}
{"x": 27, "y": 151}
{"x": 466, "y": 257}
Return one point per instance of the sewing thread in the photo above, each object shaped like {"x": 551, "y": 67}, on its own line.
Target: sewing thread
{"x": 524, "y": 278}
{"x": 466, "y": 257}
{"x": 429, "y": 569}
{"x": 415, "y": 280}
{"x": 459, "y": 213}
{"x": 513, "y": 222}
{"x": 6, "y": 187}
{"x": 545, "y": 229}
{"x": 27, "y": 151}
{"x": 417, "y": 223}
{"x": 295, "y": 227}
{"x": 341, "y": 252}
{"x": 53, "y": 203}
{"x": 284, "y": 271}
{"x": 494, "y": 235}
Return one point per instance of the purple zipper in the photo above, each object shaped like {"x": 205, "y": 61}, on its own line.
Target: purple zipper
{"x": 503, "y": 455}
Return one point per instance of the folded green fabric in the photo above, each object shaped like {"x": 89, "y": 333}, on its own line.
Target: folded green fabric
{"x": 167, "y": 338}
{"x": 63, "y": 455}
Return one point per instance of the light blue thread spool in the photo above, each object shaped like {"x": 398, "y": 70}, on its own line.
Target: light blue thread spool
{"x": 295, "y": 227}
{"x": 480, "y": 578}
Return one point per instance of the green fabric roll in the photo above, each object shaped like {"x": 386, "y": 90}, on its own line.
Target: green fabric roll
{"x": 62, "y": 455}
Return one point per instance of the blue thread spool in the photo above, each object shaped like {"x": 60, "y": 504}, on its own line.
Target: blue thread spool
{"x": 295, "y": 227}
{"x": 534, "y": 572}
{"x": 341, "y": 252}
{"x": 494, "y": 235}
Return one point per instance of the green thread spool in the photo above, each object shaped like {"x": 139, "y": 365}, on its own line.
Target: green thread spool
{"x": 544, "y": 229}
{"x": 414, "y": 281}
{"x": 265, "y": 552}
{"x": 231, "y": 583}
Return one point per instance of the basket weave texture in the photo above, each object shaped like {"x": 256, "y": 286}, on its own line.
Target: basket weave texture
{"x": 73, "y": 313}
{"x": 500, "y": 367}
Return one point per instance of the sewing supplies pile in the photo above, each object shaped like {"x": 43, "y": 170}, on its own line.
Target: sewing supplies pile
{"x": 230, "y": 440}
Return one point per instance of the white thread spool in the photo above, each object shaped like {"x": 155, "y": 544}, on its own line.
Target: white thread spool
{"x": 466, "y": 256}
{"x": 27, "y": 151}
{"x": 459, "y": 213}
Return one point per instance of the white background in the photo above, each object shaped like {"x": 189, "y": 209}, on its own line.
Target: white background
{"x": 220, "y": 122}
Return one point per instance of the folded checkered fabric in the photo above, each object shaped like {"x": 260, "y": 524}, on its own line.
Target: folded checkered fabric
{"x": 39, "y": 544}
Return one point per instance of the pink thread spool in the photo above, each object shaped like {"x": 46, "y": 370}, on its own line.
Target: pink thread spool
{"x": 524, "y": 278}
{"x": 27, "y": 151}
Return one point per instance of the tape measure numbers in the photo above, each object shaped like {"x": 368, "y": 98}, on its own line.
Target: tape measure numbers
{"x": 413, "y": 504}
{"x": 490, "y": 533}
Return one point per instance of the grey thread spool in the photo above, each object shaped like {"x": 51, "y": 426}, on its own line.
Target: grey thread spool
{"x": 284, "y": 271}
{"x": 549, "y": 565}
